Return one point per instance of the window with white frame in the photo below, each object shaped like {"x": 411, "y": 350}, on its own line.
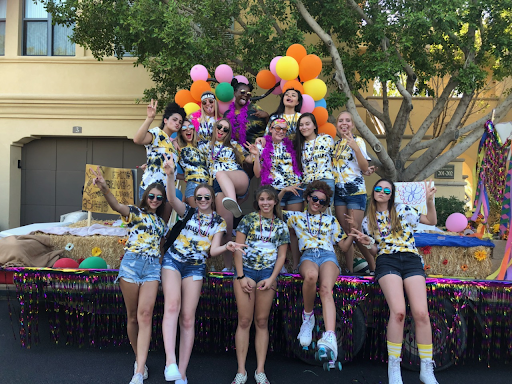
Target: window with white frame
{"x": 3, "y": 12}
{"x": 40, "y": 37}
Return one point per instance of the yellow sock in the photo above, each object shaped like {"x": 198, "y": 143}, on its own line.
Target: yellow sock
{"x": 425, "y": 351}
{"x": 394, "y": 349}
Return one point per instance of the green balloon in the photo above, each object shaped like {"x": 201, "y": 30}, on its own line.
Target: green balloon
{"x": 93, "y": 262}
{"x": 224, "y": 92}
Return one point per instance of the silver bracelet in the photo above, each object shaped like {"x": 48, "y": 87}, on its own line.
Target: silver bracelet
{"x": 372, "y": 241}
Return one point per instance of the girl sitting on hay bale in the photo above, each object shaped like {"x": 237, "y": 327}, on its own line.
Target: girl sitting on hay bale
{"x": 139, "y": 273}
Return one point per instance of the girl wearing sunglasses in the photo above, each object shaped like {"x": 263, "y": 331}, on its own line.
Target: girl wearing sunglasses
{"x": 388, "y": 233}
{"x": 317, "y": 232}
{"x": 183, "y": 270}
{"x": 225, "y": 158}
{"x": 267, "y": 238}
{"x": 139, "y": 272}
{"x": 350, "y": 162}
{"x": 204, "y": 119}
{"x": 192, "y": 161}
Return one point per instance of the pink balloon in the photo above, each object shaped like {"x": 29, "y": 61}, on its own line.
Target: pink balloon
{"x": 308, "y": 104}
{"x": 224, "y": 73}
{"x": 241, "y": 79}
{"x": 273, "y": 65}
{"x": 456, "y": 222}
{"x": 223, "y": 106}
{"x": 277, "y": 91}
{"x": 199, "y": 72}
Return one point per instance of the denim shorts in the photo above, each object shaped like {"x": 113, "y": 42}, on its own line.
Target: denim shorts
{"x": 141, "y": 192}
{"x": 330, "y": 183}
{"x": 290, "y": 198}
{"x": 185, "y": 269}
{"x": 190, "y": 189}
{"x": 258, "y": 275}
{"x": 357, "y": 202}
{"x": 403, "y": 264}
{"x": 136, "y": 268}
{"x": 319, "y": 256}
{"x": 218, "y": 189}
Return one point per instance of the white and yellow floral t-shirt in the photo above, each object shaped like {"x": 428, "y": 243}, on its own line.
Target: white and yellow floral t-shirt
{"x": 291, "y": 120}
{"x": 158, "y": 151}
{"x": 262, "y": 240}
{"x": 193, "y": 163}
{"x": 388, "y": 242}
{"x": 145, "y": 231}
{"x": 221, "y": 158}
{"x": 347, "y": 173}
{"x": 314, "y": 231}
{"x": 316, "y": 159}
{"x": 194, "y": 241}
{"x": 282, "y": 167}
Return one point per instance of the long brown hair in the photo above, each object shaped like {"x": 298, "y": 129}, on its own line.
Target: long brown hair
{"x": 396, "y": 225}
{"x": 181, "y": 141}
{"x": 143, "y": 204}
{"x": 300, "y": 139}
{"x": 271, "y": 191}
{"x": 226, "y": 142}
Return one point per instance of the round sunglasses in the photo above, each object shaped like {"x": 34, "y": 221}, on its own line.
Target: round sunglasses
{"x": 208, "y": 101}
{"x": 185, "y": 127}
{"x": 278, "y": 128}
{"x": 316, "y": 199}
{"x": 220, "y": 127}
{"x": 152, "y": 197}
{"x": 378, "y": 189}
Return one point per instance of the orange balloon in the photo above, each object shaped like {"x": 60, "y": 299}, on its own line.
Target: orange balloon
{"x": 310, "y": 67}
{"x": 295, "y": 84}
{"x": 265, "y": 79}
{"x": 328, "y": 129}
{"x": 197, "y": 89}
{"x": 321, "y": 116}
{"x": 297, "y": 51}
{"x": 183, "y": 97}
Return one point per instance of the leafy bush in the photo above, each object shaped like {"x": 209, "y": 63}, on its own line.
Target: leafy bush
{"x": 445, "y": 206}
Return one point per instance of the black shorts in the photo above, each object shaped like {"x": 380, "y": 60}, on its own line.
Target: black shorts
{"x": 403, "y": 264}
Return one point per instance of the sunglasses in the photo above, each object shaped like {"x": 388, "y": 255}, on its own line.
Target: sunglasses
{"x": 152, "y": 196}
{"x": 316, "y": 199}
{"x": 279, "y": 128}
{"x": 185, "y": 127}
{"x": 244, "y": 92}
{"x": 387, "y": 191}
{"x": 205, "y": 197}
{"x": 208, "y": 101}
{"x": 220, "y": 127}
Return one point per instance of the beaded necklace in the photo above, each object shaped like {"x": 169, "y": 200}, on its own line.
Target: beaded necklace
{"x": 214, "y": 158}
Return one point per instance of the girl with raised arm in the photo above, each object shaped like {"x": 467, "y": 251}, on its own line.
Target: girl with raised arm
{"x": 388, "y": 233}
{"x": 266, "y": 237}
{"x": 139, "y": 273}
{"x": 183, "y": 270}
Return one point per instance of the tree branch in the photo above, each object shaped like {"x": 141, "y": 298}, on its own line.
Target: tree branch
{"x": 374, "y": 111}
{"x": 274, "y": 23}
{"x": 499, "y": 112}
{"x": 352, "y": 4}
{"x": 233, "y": 32}
{"x": 241, "y": 23}
{"x": 244, "y": 66}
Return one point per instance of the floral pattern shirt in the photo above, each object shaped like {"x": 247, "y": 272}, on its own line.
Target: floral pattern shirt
{"x": 221, "y": 158}
{"x": 158, "y": 151}
{"x": 145, "y": 231}
{"x": 263, "y": 240}
{"x": 291, "y": 120}
{"x": 388, "y": 242}
{"x": 282, "y": 167}
{"x": 316, "y": 159}
{"x": 315, "y": 231}
{"x": 193, "y": 163}
{"x": 194, "y": 241}
{"x": 347, "y": 173}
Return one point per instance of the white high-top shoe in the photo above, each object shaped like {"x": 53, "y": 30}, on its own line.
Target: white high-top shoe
{"x": 394, "y": 373}
{"x": 427, "y": 371}
{"x": 306, "y": 329}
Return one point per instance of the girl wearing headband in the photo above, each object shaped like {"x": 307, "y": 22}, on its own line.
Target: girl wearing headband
{"x": 388, "y": 233}
{"x": 204, "y": 119}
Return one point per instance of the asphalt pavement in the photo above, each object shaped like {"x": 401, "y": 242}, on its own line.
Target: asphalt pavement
{"x": 47, "y": 363}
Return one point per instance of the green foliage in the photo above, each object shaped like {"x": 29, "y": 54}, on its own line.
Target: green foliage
{"x": 445, "y": 206}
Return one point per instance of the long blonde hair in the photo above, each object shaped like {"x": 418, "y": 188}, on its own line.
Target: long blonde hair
{"x": 226, "y": 142}
{"x": 396, "y": 225}
{"x": 204, "y": 117}
{"x": 181, "y": 141}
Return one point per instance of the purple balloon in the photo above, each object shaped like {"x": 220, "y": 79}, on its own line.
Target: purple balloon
{"x": 273, "y": 65}
{"x": 456, "y": 222}
{"x": 224, "y": 73}
{"x": 242, "y": 79}
{"x": 308, "y": 104}
{"x": 199, "y": 72}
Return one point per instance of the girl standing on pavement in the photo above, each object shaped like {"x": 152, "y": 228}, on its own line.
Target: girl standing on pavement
{"x": 183, "y": 270}
{"x": 388, "y": 233}
{"x": 266, "y": 237}
{"x": 139, "y": 273}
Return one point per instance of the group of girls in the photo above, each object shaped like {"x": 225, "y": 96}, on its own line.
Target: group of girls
{"x": 296, "y": 165}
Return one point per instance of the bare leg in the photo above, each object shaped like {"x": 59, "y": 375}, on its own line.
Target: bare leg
{"x": 171, "y": 284}
{"x": 245, "y": 306}
{"x": 232, "y": 183}
{"x": 328, "y": 275}
{"x": 131, "y": 301}
{"x": 309, "y": 272}
{"x": 417, "y": 294}
{"x": 294, "y": 241}
{"x": 261, "y": 313}
{"x": 147, "y": 297}
{"x": 392, "y": 287}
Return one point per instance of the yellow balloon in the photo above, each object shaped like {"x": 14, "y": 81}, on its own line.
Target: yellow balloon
{"x": 315, "y": 88}
{"x": 191, "y": 108}
{"x": 287, "y": 68}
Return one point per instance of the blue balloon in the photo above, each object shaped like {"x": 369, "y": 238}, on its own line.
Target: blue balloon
{"x": 321, "y": 103}
{"x": 179, "y": 195}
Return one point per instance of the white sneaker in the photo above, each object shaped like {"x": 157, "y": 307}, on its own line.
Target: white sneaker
{"x": 181, "y": 381}
{"x": 261, "y": 378}
{"x": 137, "y": 379}
{"x": 427, "y": 371}
{"x": 306, "y": 329}
{"x": 232, "y": 206}
{"x": 239, "y": 378}
{"x": 145, "y": 375}
{"x": 328, "y": 341}
{"x": 172, "y": 373}
{"x": 394, "y": 373}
